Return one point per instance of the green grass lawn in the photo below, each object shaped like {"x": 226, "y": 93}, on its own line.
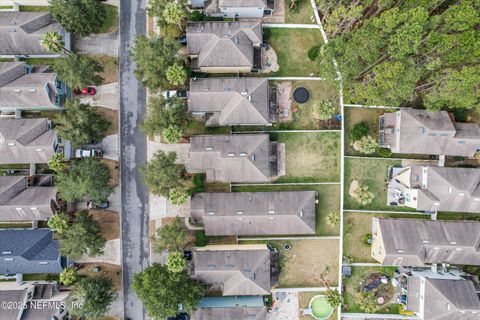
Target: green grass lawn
{"x": 291, "y": 47}
{"x": 21, "y": 225}
{"x": 6, "y": 7}
{"x": 303, "y": 13}
{"x": 111, "y": 20}
{"x": 195, "y": 127}
{"x": 44, "y": 61}
{"x": 310, "y": 157}
{"x": 356, "y": 227}
{"x": 372, "y": 173}
{"x": 328, "y": 201}
{"x": 356, "y": 281}
{"x": 34, "y": 8}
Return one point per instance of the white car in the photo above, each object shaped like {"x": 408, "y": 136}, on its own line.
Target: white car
{"x": 181, "y": 94}
{"x": 88, "y": 153}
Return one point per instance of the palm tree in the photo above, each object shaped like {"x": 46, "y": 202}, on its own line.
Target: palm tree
{"x": 175, "y": 13}
{"x": 53, "y": 42}
{"x": 68, "y": 276}
{"x": 176, "y": 74}
{"x": 333, "y": 218}
{"x": 57, "y": 163}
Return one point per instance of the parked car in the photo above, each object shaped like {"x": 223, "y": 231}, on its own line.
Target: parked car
{"x": 101, "y": 205}
{"x": 89, "y": 91}
{"x": 88, "y": 153}
{"x": 180, "y": 316}
{"x": 182, "y": 94}
{"x": 182, "y": 40}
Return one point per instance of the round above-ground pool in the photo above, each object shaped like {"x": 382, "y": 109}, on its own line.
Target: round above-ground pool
{"x": 301, "y": 95}
{"x": 320, "y": 308}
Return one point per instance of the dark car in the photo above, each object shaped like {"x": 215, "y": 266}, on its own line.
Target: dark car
{"x": 180, "y": 316}
{"x": 182, "y": 40}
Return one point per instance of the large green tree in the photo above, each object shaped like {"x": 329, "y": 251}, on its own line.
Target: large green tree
{"x": 153, "y": 56}
{"x": 80, "y": 17}
{"x": 94, "y": 295}
{"x": 83, "y": 237}
{"x": 172, "y": 236}
{"x": 87, "y": 178}
{"x": 408, "y": 53}
{"x": 78, "y": 71}
{"x": 163, "y": 114}
{"x": 81, "y": 123}
{"x": 162, "y": 291}
{"x": 162, "y": 174}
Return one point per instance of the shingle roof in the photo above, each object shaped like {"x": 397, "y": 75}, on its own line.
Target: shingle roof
{"x": 233, "y": 101}
{"x": 21, "y": 203}
{"x": 446, "y": 189}
{"x": 445, "y": 299}
{"x": 235, "y": 270}
{"x": 30, "y": 141}
{"x": 20, "y": 32}
{"x": 421, "y": 132}
{"x": 32, "y": 251}
{"x": 15, "y": 296}
{"x": 262, "y": 213}
{"x": 223, "y": 44}
{"x": 235, "y": 158}
{"x": 421, "y": 242}
{"x": 230, "y": 313}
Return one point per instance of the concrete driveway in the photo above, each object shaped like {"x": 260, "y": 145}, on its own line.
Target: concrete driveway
{"x": 111, "y": 254}
{"x": 109, "y": 146}
{"x": 105, "y": 44}
{"x": 181, "y": 149}
{"x": 113, "y": 202}
{"x": 105, "y": 96}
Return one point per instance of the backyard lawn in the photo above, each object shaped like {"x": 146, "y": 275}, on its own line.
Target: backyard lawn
{"x": 373, "y": 174}
{"x": 307, "y": 260}
{"x": 357, "y": 227}
{"x": 354, "y": 285}
{"x": 310, "y": 157}
{"x": 354, "y": 116}
{"x": 328, "y": 201}
{"x": 291, "y": 47}
{"x": 302, "y": 13}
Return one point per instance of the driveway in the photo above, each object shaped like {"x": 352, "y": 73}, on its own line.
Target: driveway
{"x": 105, "y": 96}
{"x": 113, "y": 202}
{"x": 105, "y": 44}
{"x": 111, "y": 254}
{"x": 109, "y": 146}
{"x": 133, "y": 153}
{"x": 181, "y": 149}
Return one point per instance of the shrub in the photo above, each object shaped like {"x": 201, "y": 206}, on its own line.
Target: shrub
{"x": 359, "y": 130}
{"x": 198, "y": 184}
{"x": 196, "y": 15}
{"x": 334, "y": 297}
{"x": 59, "y": 223}
{"x": 364, "y": 196}
{"x": 267, "y": 34}
{"x": 68, "y": 276}
{"x": 366, "y": 145}
{"x": 367, "y": 239}
{"x": 172, "y": 134}
{"x": 313, "y": 52}
{"x": 200, "y": 238}
{"x": 384, "y": 152}
{"x": 333, "y": 218}
{"x": 178, "y": 196}
{"x": 175, "y": 262}
{"x": 324, "y": 110}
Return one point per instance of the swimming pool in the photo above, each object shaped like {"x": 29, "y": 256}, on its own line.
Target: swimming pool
{"x": 320, "y": 307}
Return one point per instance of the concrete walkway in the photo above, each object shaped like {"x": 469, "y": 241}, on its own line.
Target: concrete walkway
{"x": 105, "y": 96}
{"x": 97, "y": 44}
{"x": 306, "y": 289}
{"x": 291, "y": 238}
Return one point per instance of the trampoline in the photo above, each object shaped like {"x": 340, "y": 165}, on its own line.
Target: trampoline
{"x": 301, "y": 95}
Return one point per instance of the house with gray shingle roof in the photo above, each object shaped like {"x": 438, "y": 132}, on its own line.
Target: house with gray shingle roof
{"x": 26, "y": 141}
{"x": 236, "y": 158}
{"x": 255, "y": 213}
{"x": 225, "y": 47}
{"x": 234, "y": 270}
{"x": 442, "y": 296}
{"x": 416, "y": 131}
{"x": 20, "y": 201}
{"x": 235, "y": 8}
{"x": 25, "y": 87}
{"x": 29, "y": 251}
{"x": 21, "y": 32}
{"x": 232, "y": 101}
{"x": 417, "y": 242}
{"x": 431, "y": 189}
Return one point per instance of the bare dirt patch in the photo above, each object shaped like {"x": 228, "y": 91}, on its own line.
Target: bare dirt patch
{"x": 353, "y": 187}
{"x": 112, "y": 117}
{"x": 109, "y": 221}
{"x": 113, "y": 167}
{"x": 284, "y": 101}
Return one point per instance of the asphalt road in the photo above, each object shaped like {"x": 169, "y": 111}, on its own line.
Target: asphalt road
{"x": 133, "y": 152}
